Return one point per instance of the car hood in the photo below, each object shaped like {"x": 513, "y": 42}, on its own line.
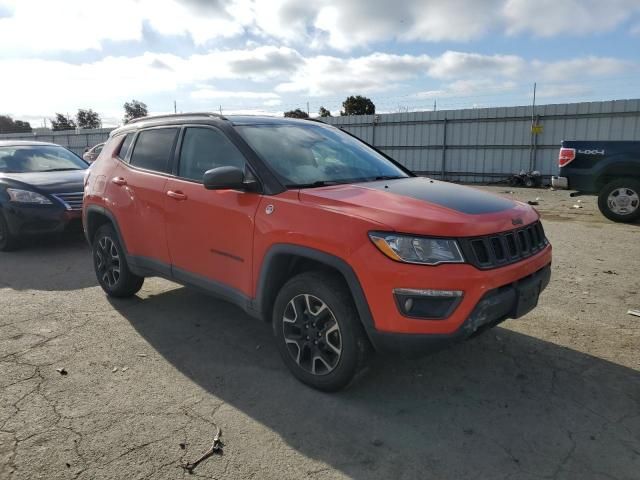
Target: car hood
{"x": 48, "y": 182}
{"x": 423, "y": 206}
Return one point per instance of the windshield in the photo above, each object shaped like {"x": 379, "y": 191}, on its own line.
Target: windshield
{"x": 314, "y": 155}
{"x": 40, "y": 158}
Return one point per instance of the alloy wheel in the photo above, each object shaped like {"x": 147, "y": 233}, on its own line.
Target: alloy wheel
{"x": 312, "y": 334}
{"x": 108, "y": 261}
{"x": 623, "y": 201}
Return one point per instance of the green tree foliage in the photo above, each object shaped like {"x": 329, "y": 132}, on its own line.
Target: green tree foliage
{"x": 323, "y": 112}
{"x": 62, "y": 122}
{"x": 9, "y": 125}
{"x": 297, "y": 113}
{"x": 134, "y": 109}
{"x": 358, "y": 105}
{"x": 88, "y": 119}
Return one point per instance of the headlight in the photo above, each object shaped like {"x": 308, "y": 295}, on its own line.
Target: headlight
{"x": 409, "y": 249}
{"x": 26, "y": 196}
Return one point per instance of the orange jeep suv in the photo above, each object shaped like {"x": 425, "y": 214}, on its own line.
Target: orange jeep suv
{"x": 343, "y": 250}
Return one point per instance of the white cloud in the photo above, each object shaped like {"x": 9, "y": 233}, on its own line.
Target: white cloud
{"x": 582, "y": 68}
{"x": 457, "y": 64}
{"x": 208, "y": 93}
{"x": 77, "y": 25}
{"x": 566, "y": 17}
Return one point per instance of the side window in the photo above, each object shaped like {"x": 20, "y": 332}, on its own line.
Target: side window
{"x": 98, "y": 149}
{"x": 153, "y": 149}
{"x": 126, "y": 144}
{"x": 204, "y": 149}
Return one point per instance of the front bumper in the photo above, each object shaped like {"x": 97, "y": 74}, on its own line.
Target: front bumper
{"x": 494, "y": 307}
{"x": 24, "y": 219}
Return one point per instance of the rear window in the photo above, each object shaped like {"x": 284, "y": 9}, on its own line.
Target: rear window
{"x": 153, "y": 149}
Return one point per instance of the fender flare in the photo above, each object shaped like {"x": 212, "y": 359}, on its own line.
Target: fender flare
{"x": 337, "y": 263}
{"x": 105, "y": 213}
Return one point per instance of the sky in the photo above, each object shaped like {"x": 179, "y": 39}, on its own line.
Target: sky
{"x": 270, "y": 56}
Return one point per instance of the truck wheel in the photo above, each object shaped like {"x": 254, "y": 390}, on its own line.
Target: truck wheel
{"x": 318, "y": 331}
{"x": 7, "y": 241}
{"x": 111, "y": 267}
{"x": 619, "y": 200}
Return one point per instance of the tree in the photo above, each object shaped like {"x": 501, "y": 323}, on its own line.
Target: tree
{"x": 88, "y": 119}
{"x": 134, "y": 109}
{"x": 358, "y": 105}
{"x": 323, "y": 112}
{"x": 62, "y": 122}
{"x": 297, "y": 113}
{"x": 9, "y": 125}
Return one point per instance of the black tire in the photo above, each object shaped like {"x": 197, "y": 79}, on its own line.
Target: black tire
{"x": 8, "y": 241}
{"x": 612, "y": 190}
{"x": 354, "y": 346}
{"x": 529, "y": 182}
{"x": 108, "y": 256}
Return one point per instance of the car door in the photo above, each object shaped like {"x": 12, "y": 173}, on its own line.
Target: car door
{"x": 138, "y": 192}
{"x": 209, "y": 232}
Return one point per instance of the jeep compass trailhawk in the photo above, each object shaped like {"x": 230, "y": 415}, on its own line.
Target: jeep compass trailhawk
{"x": 339, "y": 247}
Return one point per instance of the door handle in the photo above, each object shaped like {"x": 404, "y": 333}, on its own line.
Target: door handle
{"x": 176, "y": 195}
{"x": 119, "y": 181}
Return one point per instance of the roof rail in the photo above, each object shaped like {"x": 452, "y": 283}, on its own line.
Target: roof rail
{"x": 176, "y": 115}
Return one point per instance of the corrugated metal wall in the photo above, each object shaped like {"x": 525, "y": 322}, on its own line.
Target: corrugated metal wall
{"x": 75, "y": 141}
{"x": 473, "y": 145}
{"x": 488, "y": 144}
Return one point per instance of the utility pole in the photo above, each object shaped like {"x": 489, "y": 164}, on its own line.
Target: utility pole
{"x": 307, "y": 108}
{"x": 533, "y": 134}
{"x": 175, "y": 108}
{"x": 220, "y": 108}
{"x": 434, "y": 105}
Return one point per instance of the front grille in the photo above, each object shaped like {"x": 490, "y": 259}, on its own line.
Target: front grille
{"x": 73, "y": 201}
{"x": 497, "y": 250}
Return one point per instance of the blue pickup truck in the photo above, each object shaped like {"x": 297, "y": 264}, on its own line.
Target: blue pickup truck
{"x": 610, "y": 170}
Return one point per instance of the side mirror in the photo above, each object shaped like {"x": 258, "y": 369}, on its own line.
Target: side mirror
{"x": 224, "y": 178}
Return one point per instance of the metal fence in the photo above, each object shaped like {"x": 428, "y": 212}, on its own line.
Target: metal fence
{"x": 75, "y": 140}
{"x": 489, "y": 144}
{"x": 472, "y": 145}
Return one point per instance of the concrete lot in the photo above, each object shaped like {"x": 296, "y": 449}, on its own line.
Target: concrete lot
{"x": 554, "y": 395}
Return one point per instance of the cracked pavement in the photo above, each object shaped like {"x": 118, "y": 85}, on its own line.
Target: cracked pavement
{"x": 554, "y": 395}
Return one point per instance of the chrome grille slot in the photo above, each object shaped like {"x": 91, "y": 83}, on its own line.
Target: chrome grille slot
{"x": 72, "y": 200}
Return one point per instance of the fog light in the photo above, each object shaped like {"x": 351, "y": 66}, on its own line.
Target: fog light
{"x": 427, "y": 304}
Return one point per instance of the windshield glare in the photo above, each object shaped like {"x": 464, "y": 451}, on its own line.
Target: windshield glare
{"x": 45, "y": 158}
{"x": 304, "y": 155}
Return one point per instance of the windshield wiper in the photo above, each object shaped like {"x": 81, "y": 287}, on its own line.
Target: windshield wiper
{"x": 319, "y": 183}
{"x": 60, "y": 169}
{"x": 388, "y": 177}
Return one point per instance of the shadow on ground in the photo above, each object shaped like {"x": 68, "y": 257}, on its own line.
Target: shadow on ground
{"x": 49, "y": 263}
{"x": 504, "y": 405}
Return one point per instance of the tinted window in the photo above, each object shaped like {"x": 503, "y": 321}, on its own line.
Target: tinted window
{"x": 126, "y": 144}
{"x": 153, "y": 148}
{"x": 204, "y": 149}
{"x": 41, "y": 158}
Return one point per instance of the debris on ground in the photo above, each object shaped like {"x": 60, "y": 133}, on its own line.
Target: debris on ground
{"x": 635, "y": 313}
{"x": 61, "y": 371}
{"x": 115, "y": 369}
{"x": 577, "y": 206}
{"x": 216, "y": 447}
{"x": 538, "y": 199}
{"x": 141, "y": 354}
{"x": 182, "y": 445}
{"x": 124, "y": 369}
{"x": 532, "y": 202}
{"x": 610, "y": 272}
{"x": 377, "y": 442}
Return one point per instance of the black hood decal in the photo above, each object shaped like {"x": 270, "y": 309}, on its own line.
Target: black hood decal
{"x": 449, "y": 195}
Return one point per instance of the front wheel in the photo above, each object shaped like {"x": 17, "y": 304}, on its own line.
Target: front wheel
{"x": 111, "y": 266}
{"x": 619, "y": 200}
{"x": 318, "y": 331}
